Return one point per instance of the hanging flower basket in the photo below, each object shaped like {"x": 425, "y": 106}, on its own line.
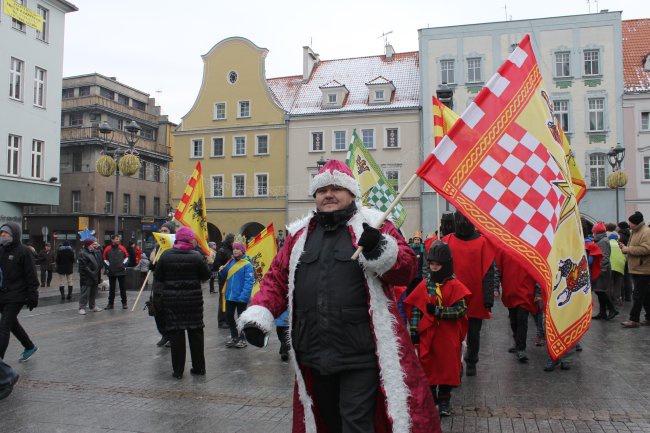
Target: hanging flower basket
{"x": 130, "y": 163}
{"x": 618, "y": 179}
{"x": 105, "y": 165}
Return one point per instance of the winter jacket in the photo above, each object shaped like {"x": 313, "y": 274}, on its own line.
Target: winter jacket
{"x": 18, "y": 280}
{"x": 117, "y": 258}
{"x": 405, "y": 403}
{"x": 46, "y": 259}
{"x": 64, "y": 260}
{"x": 224, "y": 253}
{"x": 603, "y": 282}
{"x": 180, "y": 273}
{"x": 638, "y": 253}
{"x": 88, "y": 268}
{"x": 239, "y": 284}
{"x": 617, "y": 259}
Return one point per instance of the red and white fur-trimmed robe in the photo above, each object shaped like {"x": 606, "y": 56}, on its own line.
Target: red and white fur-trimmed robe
{"x": 405, "y": 403}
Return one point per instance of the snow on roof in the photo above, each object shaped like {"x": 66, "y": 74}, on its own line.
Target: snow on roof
{"x": 636, "y": 48}
{"x": 331, "y": 85}
{"x": 305, "y": 98}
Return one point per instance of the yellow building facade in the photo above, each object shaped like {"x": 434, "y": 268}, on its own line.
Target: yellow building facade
{"x": 237, "y": 130}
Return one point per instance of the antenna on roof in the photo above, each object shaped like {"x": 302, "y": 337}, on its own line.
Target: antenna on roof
{"x": 385, "y": 36}
{"x": 589, "y": 5}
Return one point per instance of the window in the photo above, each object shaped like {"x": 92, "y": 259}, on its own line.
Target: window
{"x": 40, "y": 78}
{"x": 37, "y": 159}
{"x": 244, "y": 109}
{"x": 217, "y": 186}
{"x": 76, "y": 162}
{"x": 16, "y": 79}
{"x": 147, "y": 133}
{"x": 217, "y": 146}
{"x": 597, "y": 170}
{"x": 379, "y": 94}
{"x": 262, "y": 145}
{"x": 156, "y": 206}
{"x": 392, "y": 176}
{"x": 197, "y": 148}
{"x": 95, "y": 118}
{"x": 219, "y": 111}
{"x": 18, "y": 25}
{"x": 239, "y": 185}
{"x": 562, "y": 65}
{"x": 156, "y": 173}
{"x": 126, "y": 204}
{"x": 104, "y": 92}
{"x": 392, "y": 137}
{"x": 447, "y": 71}
{"x": 316, "y": 141}
{"x": 13, "y": 155}
{"x": 76, "y": 119}
{"x": 120, "y": 124}
{"x": 474, "y": 70}
{"x": 67, "y": 93}
{"x": 142, "y": 205}
{"x": 645, "y": 121}
{"x": 138, "y": 105}
{"x": 592, "y": 58}
{"x": 261, "y": 185}
{"x": 142, "y": 173}
{"x": 368, "y": 138}
{"x": 108, "y": 202}
{"x": 646, "y": 168}
{"x": 45, "y": 14}
{"x": 340, "y": 142}
{"x": 596, "y": 114}
{"x": 122, "y": 99}
{"x": 76, "y": 201}
{"x": 84, "y": 91}
{"x": 331, "y": 98}
{"x": 239, "y": 146}
{"x": 561, "y": 110}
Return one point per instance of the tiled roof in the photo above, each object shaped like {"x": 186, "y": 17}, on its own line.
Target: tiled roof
{"x": 306, "y": 98}
{"x": 636, "y": 47}
{"x": 331, "y": 85}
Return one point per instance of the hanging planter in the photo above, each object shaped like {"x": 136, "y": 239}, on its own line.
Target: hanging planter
{"x": 130, "y": 163}
{"x": 618, "y": 179}
{"x": 105, "y": 165}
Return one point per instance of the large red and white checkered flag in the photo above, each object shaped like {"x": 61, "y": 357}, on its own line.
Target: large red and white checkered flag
{"x": 503, "y": 166}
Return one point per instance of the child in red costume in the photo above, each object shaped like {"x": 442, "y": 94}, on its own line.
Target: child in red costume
{"x": 436, "y": 311}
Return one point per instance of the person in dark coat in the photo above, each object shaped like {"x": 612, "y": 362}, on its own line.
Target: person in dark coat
{"x": 18, "y": 287}
{"x": 181, "y": 270}
{"x": 116, "y": 258}
{"x": 64, "y": 268}
{"x": 8, "y": 378}
{"x": 224, "y": 253}
{"x": 46, "y": 261}
{"x": 157, "y": 289}
{"x": 88, "y": 277}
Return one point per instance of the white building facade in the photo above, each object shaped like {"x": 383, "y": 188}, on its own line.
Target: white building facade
{"x": 30, "y": 105}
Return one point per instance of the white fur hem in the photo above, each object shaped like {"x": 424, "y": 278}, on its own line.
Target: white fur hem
{"x": 337, "y": 178}
{"x": 386, "y": 260}
{"x": 257, "y": 315}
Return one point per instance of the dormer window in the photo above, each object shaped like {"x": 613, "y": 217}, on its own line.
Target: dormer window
{"x": 331, "y": 98}
{"x": 380, "y": 91}
{"x": 334, "y": 94}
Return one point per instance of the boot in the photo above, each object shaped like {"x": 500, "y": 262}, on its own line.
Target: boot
{"x": 62, "y": 290}
{"x": 69, "y": 293}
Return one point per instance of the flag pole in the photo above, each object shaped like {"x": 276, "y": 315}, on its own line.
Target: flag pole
{"x": 155, "y": 259}
{"x": 388, "y": 211}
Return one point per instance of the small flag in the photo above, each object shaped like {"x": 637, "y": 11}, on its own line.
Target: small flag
{"x": 191, "y": 209}
{"x": 165, "y": 241}
{"x": 443, "y": 119}
{"x": 261, "y": 251}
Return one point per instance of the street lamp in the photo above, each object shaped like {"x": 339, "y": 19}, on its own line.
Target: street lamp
{"x": 321, "y": 162}
{"x": 617, "y": 179}
{"x": 131, "y": 136}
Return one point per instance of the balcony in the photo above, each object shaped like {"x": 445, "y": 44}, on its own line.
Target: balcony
{"x": 88, "y": 102}
{"x": 72, "y": 134}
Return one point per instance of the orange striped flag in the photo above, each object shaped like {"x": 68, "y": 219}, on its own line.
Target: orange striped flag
{"x": 191, "y": 209}
{"x": 261, "y": 251}
{"x": 443, "y": 119}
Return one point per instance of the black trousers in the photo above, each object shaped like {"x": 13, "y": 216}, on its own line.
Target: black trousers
{"x": 473, "y": 340}
{"x": 519, "y": 324}
{"x": 283, "y": 336}
{"x": 441, "y": 392}
{"x": 231, "y": 307}
{"x": 196, "y": 341}
{"x": 605, "y": 304}
{"x": 46, "y": 277}
{"x": 111, "y": 289}
{"x": 346, "y": 401}
{"x": 640, "y": 297}
{"x": 9, "y": 324}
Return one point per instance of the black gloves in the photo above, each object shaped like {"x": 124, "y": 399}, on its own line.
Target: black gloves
{"x": 32, "y": 301}
{"x": 434, "y": 310}
{"x": 370, "y": 238}
{"x": 255, "y": 336}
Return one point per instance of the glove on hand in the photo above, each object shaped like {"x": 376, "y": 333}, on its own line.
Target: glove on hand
{"x": 32, "y": 301}
{"x": 255, "y": 336}
{"x": 434, "y": 310}
{"x": 370, "y": 238}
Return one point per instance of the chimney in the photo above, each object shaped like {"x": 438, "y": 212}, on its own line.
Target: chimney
{"x": 309, "y": 60}
{"x": 389, "y": 50}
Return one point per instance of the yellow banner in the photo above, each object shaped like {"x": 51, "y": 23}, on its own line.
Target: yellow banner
{"x": 261, "y": 250}
{"x": 23, "y": 14}
{"x": 165, "y": 241}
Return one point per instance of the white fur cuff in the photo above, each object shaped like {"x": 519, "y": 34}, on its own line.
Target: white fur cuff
{"x": 386, "y": 260}
{"x": 256, "y": 315}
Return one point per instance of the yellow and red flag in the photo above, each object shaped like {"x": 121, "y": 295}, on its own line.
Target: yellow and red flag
{"x": 503, "y": 166}
{"x": 443, "y": 119}
{"x": 191, "y": 209}
{"x": 165, "y": 241}
{"x": 261, "y": 250}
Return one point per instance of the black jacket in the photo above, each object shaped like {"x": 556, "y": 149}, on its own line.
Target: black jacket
{"x": 181, "y": 273}
{"x": 64, "y": 260}
{"x": 19, "y": 280}
{"x": 115, "y": 255}
{"x": 88, "y": 268}
{"x": 224, "y": 253}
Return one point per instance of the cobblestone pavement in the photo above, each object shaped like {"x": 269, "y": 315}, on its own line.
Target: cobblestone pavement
{"x": 103, "y": 372}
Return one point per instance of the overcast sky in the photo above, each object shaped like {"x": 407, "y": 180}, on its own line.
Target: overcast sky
{"x": 156, "y": 45}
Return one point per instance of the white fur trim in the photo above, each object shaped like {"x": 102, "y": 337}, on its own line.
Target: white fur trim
{"x": 337, "y": 178}
{"x": 257, "y": 315}
{"x": 385, "y": 261}
{"x": 301, "y": 222}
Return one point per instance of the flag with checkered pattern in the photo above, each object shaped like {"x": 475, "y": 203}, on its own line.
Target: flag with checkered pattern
{"x": 504, "y": 167}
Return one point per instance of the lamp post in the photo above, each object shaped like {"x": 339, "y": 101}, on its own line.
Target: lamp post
{"x": 131, "y": 135}
{"x": 615, "y": 157}
{"x": 321, "y": 162}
